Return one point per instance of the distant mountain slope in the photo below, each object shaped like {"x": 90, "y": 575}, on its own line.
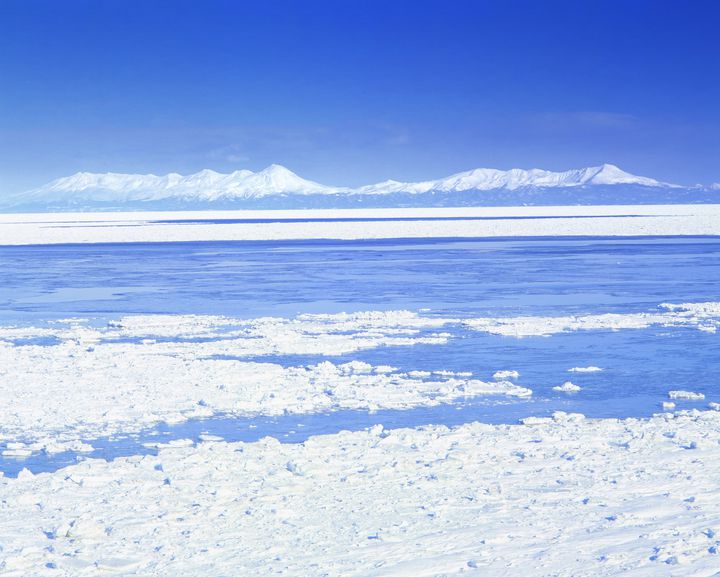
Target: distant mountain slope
{"x": 492, "y": 179}
{"x": 278, "y": 187}
{"x": 203, "y": 186}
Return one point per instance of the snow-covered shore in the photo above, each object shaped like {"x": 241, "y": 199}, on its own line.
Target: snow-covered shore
{"x": 550, "y": 221}
{"x": 566, "y": 496}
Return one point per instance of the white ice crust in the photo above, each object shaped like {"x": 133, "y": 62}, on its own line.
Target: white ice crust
{"x": 701, "y": 316}
{"x": 537, "y": 221}
{"x": 565, "y": 496}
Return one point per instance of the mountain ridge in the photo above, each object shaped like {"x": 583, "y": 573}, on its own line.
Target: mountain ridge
{"x": 278, "y": 186}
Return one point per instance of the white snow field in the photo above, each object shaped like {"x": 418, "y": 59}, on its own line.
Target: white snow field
{"x": 127, "y": 376}
{"x": 546, "y": 221}
{"x": 566, "y": 496}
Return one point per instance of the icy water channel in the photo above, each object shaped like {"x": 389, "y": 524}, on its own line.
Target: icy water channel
{"x": 457, "y": 278}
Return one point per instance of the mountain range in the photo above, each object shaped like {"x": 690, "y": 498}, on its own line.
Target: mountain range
{"x": 278, "y": 187}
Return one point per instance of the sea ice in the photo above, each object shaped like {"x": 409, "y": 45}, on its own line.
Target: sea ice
{"x": 506, "y": 375}
{"x": 546, "y": 221}
{"x": 686, "y": 396}
{"x": 692, "y": 315}
{"x": 567, "y": 387}
{"x": 566, "y": 496}
{"x": 143, "y": 369}
{"x": 100, "y": 381}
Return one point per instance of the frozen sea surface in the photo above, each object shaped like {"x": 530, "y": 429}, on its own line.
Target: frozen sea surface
{"x": 456, "y": 278}
{"x": 173, "y": 441}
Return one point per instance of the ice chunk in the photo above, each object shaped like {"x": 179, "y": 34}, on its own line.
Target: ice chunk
{"x": 686, "y": 395}
{"x": 500, "y": 375}
{"x": 567, "y": 387}
{"x": 536, "y": 420}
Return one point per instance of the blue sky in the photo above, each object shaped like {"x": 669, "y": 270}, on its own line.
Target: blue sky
{"x": 349, "y": 92}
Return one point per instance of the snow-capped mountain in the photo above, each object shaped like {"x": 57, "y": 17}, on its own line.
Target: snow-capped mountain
{"x": 204, "y": 186}
{"x": 493, "y": 179}
{"x": 278, "y": 187}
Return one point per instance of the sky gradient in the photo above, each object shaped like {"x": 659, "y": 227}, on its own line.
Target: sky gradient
{"x": 350, "y": 92}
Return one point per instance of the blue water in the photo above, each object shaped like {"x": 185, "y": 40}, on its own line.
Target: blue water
{"x": 450, "y": 277}
{"x": 465, "y": 277}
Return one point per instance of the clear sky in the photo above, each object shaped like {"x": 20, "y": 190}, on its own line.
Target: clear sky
{"x": 350, "y": 92}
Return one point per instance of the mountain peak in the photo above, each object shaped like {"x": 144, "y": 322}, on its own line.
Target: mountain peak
{"x": 277, "y": 169}
{"x": 277, "y": 179}
{"x": 207, "y": 172}
{"x": 612, "y": 174}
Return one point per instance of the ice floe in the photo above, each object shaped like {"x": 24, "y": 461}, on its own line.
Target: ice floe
{"x": 101, "y": 381}
{"x": 501, "y": 375}
{"x": 590, "y": 369}
{"x": 93, "y": 381}
{"x": 702, "y": 316}
{"x": 567, "y": 387}
{"x": 686, "y": 395}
